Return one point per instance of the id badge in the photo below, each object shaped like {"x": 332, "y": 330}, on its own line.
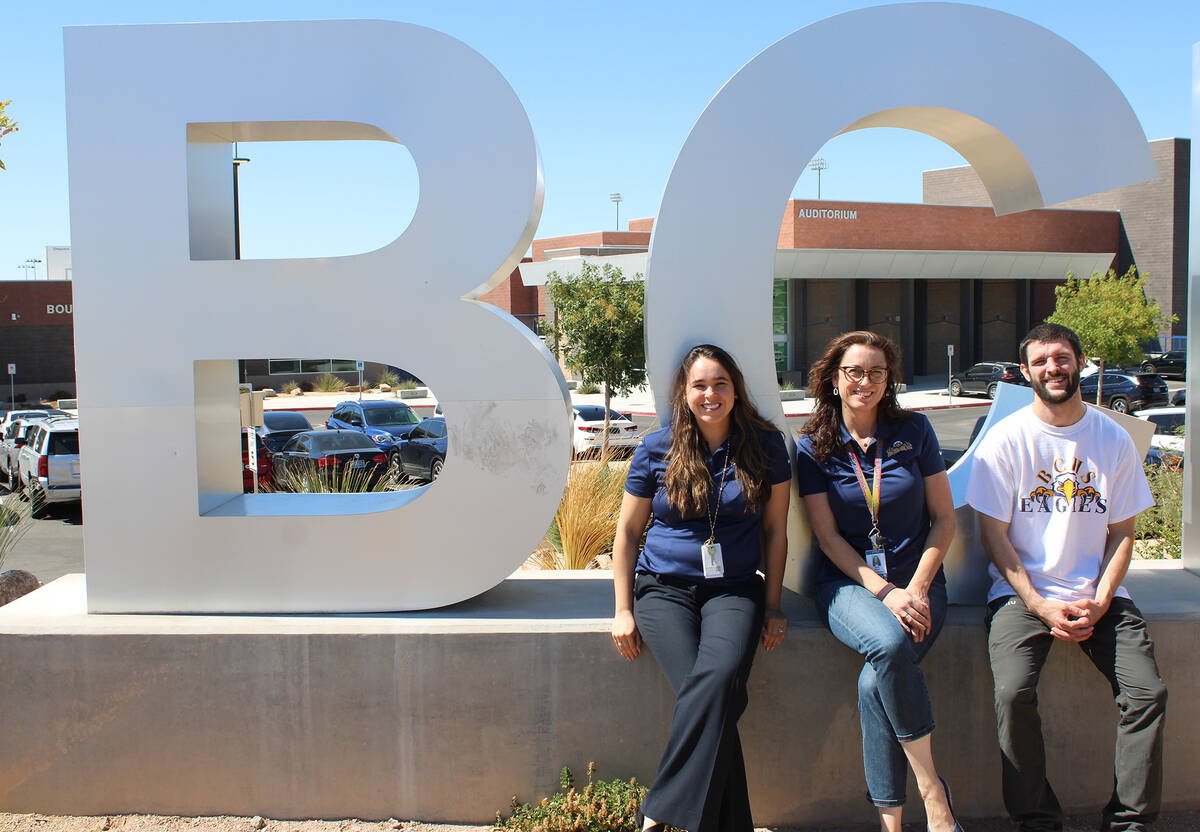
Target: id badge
{"x": 877, "y": 560}
{"x": 710, "y": 556}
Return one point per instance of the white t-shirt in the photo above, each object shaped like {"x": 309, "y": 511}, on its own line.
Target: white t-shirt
{"x": 1059, "y": 488}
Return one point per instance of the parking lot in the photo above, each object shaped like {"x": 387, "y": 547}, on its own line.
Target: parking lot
{"x": 54, "y": 545}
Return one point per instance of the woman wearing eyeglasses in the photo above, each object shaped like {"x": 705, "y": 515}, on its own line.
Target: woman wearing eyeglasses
{"x": 879, "y": 502}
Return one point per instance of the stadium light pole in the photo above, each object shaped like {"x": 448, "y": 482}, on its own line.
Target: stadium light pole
{"x": 818, "y": 164}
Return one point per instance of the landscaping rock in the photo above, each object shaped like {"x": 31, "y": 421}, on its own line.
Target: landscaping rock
{"x": 16, "y": 582}
{"x": 257, "y": 822}
{"x": 352, "y": 388}
{"x": 385, "y": 388}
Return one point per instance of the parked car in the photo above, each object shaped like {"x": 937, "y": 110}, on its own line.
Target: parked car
{"x": 986, "y": 377}
{"x": 423, "y": 453}
{"x": 333, "y": 450}
{"x": 48, "y": 463}
{"x": 1172, "y": 363}
{"x": 1169, "y": 427}
{"x": 281, "y": 425}
{"x": 28, "y": 413}
{"x": 384, "y": 423}
{"x": 1179, "y": 398}
{"x": 10, "y": 445}
{"x": 587, "y": 434}
{"x": 263, "y": 458}
{"x": 1125, "y": 392}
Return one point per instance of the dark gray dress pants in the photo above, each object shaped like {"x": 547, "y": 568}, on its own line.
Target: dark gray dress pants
{"x": 704, "y": 637}
{"x": 1121, "y": 649}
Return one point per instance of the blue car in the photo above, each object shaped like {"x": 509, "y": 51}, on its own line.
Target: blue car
{"x": 384, "y": 423}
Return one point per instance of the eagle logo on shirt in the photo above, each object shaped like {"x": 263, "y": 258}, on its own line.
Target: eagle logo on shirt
{"x": 1066, "y": 487}
{"x": 898, "y": 447}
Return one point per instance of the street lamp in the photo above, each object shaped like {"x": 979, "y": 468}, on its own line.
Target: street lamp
{"x": 818, "y": 164}
{"x": 33, "y": 264}
{"x": 27, "y": 266}
{"x": 238, "y": 161}
{"x": 616, "y": 199}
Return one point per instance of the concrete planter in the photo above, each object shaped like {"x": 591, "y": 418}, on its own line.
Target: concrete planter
{"x": 416, "y": 393}
{"x": 791, "y": 395}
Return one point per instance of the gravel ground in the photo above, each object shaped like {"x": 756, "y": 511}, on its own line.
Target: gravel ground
{"x": 1171, "y": 822}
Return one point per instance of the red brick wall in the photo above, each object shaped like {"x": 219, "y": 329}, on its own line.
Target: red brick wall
{"x": 30, "y": 298}
{"x": 646, "y": 225}
{"x": 947, "y": 227}
{"x": 590, "y": 239}
{"x": 514, "y": 297}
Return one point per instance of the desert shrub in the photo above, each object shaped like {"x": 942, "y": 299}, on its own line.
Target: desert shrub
{"x": 587, "y": 388}
{"x": 605, "y": 806}
{"x": 341, "y": 480}
{"x": 1161, "y": 525}
{"x": 290, "y": 386}
{"x": 586, "y": 521}
{"x": 387, "y": 377}
{"x": 328, "y": 383}
{"x": 407, "y": 384}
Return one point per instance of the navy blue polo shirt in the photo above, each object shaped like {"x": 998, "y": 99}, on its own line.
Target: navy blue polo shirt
{"x": 673, "y": 541}
{"x": 910, "y": 453}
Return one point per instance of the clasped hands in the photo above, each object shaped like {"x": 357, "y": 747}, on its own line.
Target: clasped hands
{"x": 911, "y": 608}
{"x": 1073, "y": 621}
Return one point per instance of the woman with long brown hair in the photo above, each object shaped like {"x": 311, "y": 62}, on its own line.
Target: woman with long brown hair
{"x": 875, "y": 488}
{"x": 716, "y": 484}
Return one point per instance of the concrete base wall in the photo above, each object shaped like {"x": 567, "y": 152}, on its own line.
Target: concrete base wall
{"x": 446, "y": 715}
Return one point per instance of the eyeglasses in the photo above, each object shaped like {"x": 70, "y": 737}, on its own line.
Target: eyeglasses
{"x": 877, "y": 375}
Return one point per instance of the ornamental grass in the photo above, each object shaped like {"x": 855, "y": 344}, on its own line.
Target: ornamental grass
{"x": 586, "y": 521}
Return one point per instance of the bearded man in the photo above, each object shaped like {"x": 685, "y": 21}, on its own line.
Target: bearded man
{"x": 1058, "y": 487}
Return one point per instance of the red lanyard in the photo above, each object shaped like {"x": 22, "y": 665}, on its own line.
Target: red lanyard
{"x": 871, "y": 495}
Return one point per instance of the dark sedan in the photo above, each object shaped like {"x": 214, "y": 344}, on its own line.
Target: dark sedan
{"x": 1172, "y": 363}
{"x": 337, "y": 454}
{"x": 281, "y": 425}
{"x": 1125, "y": 392}
{"x": 986, "y": 377}
{"x": 424, "y": 452}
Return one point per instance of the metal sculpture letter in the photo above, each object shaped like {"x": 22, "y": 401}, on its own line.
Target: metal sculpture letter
{"x": 1013, "y": 98}
{"x": 161, "y": 317}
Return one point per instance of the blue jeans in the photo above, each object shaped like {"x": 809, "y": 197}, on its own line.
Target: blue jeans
{"x": 893, "y": 702}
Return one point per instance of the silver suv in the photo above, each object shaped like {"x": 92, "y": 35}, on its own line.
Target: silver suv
{"x": 48, "y": 463}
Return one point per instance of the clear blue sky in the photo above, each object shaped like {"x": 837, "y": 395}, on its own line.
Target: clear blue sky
{"x": 611, "y": 90}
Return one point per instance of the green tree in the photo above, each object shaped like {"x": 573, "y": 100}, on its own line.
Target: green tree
{"x": 7, "y": 125}
{"x": 1111, "y": 315}
{"x": 598, "y": 329}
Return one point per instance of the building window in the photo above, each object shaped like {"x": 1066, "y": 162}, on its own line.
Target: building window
{"x": 780, "y": 323}
{"x": 779, "y": 308}
{"x": 295, "y": 366}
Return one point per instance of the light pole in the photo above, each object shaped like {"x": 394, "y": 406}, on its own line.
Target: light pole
{"x": 818, "y": 164}
{"x": 33, "y": 264}
{"x": 237, "y": 220}
{"x": 27, "y": 266}
{"x": 616, "y": 199}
